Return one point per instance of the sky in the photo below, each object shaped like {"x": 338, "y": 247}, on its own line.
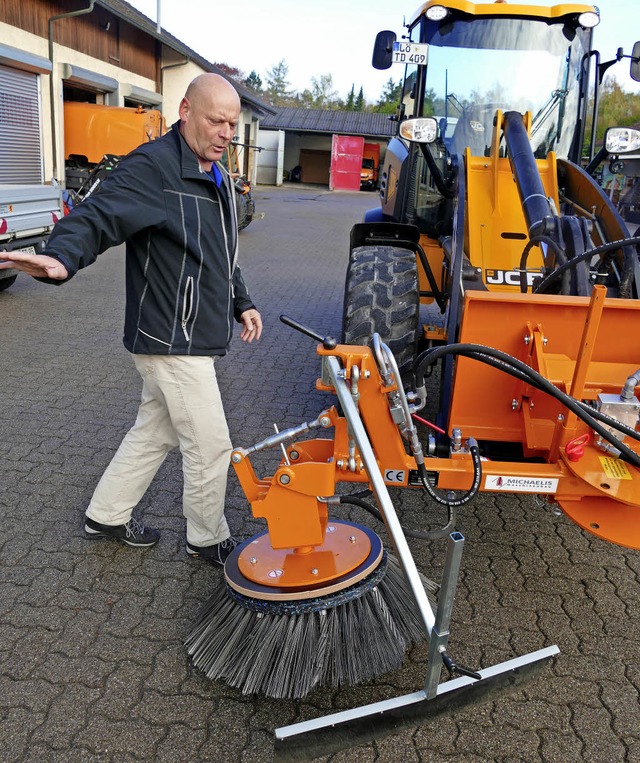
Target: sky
{"x": 335, "y": 36}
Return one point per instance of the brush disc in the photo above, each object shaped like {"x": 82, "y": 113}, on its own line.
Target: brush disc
{"x": 350, "y": 553}
{"x": 285, "y": 647}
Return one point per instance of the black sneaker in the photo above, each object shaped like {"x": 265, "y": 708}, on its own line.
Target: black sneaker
{"x": 216, "y": 554}
{"x": 133, "y": 533}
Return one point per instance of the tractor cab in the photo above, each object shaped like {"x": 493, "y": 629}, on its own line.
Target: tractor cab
{"x": 464, "y": 63}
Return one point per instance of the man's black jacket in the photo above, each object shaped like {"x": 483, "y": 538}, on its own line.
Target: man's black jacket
{"x": 183, "y": 284}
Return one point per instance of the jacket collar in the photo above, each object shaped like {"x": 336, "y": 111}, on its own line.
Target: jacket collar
{"x": 189, "y": 164}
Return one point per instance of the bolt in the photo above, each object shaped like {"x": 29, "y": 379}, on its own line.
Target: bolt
{"x": 325, "y": 421}
{"x": 285, "y": 479}
{"x": 560, "y": 417}
{"x": 352, "y": 539}
{"x": 530, "y": 403}
{"x": 253, "y": 560}
{"x": 236, "y": 458}
{"x": 314, "y": 571}
{"x": 514, "y": 404}
{"x": 294, "y": 455}
{"x": 527, "y": 339}
{"x": 545, "y": 341}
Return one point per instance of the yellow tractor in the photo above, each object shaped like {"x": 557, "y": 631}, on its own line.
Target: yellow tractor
{"x": 487, "y": 214}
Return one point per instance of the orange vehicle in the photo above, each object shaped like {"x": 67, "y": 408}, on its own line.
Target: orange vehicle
{"x": 370, "y": 166}
{"x": 93, "y": 131}
{"x": 96, "y": 137}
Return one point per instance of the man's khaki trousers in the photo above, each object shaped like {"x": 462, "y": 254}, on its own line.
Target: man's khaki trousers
{"x": 180, "y": 407}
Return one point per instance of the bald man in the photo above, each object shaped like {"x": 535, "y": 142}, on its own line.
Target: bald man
{"x": 173, "y": 204}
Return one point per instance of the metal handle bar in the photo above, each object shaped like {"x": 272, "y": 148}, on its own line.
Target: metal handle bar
{"x": 328, "y": 342}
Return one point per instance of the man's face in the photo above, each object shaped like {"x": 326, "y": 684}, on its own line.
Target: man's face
{"x": 209, "y": 125}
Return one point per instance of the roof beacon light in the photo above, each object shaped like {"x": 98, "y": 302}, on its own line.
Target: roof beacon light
{"x": 436, "y": 13}
{"x": 588, "y": 19}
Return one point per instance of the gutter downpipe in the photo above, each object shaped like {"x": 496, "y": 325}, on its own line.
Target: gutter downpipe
{"x": 51, "y": 81}
{"x": 187, "y": 60}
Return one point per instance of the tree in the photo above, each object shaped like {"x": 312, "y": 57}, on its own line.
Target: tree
{"x": 351, "y": 98}
{"x": 359, "y": 103}
{"x": 390, "y": 97}
{"x": 278, "y": 92}
{"x": 617, "y": 107}
{"x": 254, "y": 81}
{"x": 323, "y": 94}
{"x": 232, "y": 72}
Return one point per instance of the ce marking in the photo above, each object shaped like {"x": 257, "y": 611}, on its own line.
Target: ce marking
{"x": 392, "y": 475}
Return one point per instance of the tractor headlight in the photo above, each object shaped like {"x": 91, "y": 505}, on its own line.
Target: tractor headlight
{"x": 423, "y": 130}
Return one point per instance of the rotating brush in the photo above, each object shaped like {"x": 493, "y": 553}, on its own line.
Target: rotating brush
{"x": 285, "y": 648}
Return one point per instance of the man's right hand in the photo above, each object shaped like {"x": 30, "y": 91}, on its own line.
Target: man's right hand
{"x": 36, "y": 265}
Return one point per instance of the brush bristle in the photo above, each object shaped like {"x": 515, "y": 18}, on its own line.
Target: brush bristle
{"x": 341, "y": 641}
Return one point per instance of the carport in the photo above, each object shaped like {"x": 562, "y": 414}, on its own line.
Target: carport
{"x": 302, "y": 138}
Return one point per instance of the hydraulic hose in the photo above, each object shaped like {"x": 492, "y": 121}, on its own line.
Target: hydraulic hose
{"x": 557, "y": 250}
{"x": 442, "y": 532}
{"x": 481, "y": 352}
{"x": 449, "y": 501}
{"x": 543, "y": 286}
{"x": 529, "y": 378}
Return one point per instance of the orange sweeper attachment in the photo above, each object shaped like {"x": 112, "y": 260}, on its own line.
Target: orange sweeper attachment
{"x": 315, "y": 600}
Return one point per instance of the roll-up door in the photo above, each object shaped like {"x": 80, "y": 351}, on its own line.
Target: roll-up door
{"x": 20, "y": 140}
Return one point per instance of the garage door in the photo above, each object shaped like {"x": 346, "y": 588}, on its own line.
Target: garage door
{"x": 20, "y": 144}
{"x": 315, "y": 166}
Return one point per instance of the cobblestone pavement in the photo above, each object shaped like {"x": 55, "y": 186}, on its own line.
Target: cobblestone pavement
{"x": 93, "y": 667}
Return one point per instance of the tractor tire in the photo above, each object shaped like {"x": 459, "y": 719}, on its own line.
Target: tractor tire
{"x": 5, "y": 283}
{"x": 381, "y": 296}
{"x": 245, "y": 207}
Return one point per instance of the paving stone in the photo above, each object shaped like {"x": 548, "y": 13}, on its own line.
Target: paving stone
{"x": 92, "y": 663}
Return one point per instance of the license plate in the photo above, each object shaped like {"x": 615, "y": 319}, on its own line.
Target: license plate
{"x": 409, "y": 52}
{"x": 26, "y": 250}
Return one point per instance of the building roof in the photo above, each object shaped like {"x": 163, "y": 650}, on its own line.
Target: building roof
{"x": 329, "y": 121}
{"x": 133, "y": 16}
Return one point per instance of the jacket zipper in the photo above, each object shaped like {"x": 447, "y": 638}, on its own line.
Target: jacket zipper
{"x": 187, "y": 306}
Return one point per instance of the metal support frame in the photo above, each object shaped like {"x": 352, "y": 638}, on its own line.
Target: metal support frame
{"x": 331, "y": 733}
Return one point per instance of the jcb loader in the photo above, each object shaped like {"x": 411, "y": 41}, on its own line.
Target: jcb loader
{"x": 533, "y": 279}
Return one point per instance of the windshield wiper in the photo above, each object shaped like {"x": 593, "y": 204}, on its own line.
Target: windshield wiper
{"x": 556, "y": 97}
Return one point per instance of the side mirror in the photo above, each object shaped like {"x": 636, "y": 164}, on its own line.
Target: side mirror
{"x": 383, "y": 50}
{"x": 635, "y": 63}
{"x": 422, "y": 130}
{"x": 622, "y": 140}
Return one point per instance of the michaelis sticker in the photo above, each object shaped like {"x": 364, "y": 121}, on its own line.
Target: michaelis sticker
{"x": 520, "y": 484}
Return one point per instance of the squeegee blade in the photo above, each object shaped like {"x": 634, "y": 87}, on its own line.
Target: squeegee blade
{"x": 317, "y": 737}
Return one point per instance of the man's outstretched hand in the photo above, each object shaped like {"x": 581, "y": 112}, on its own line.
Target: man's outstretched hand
{"x": 36, "y": 265}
